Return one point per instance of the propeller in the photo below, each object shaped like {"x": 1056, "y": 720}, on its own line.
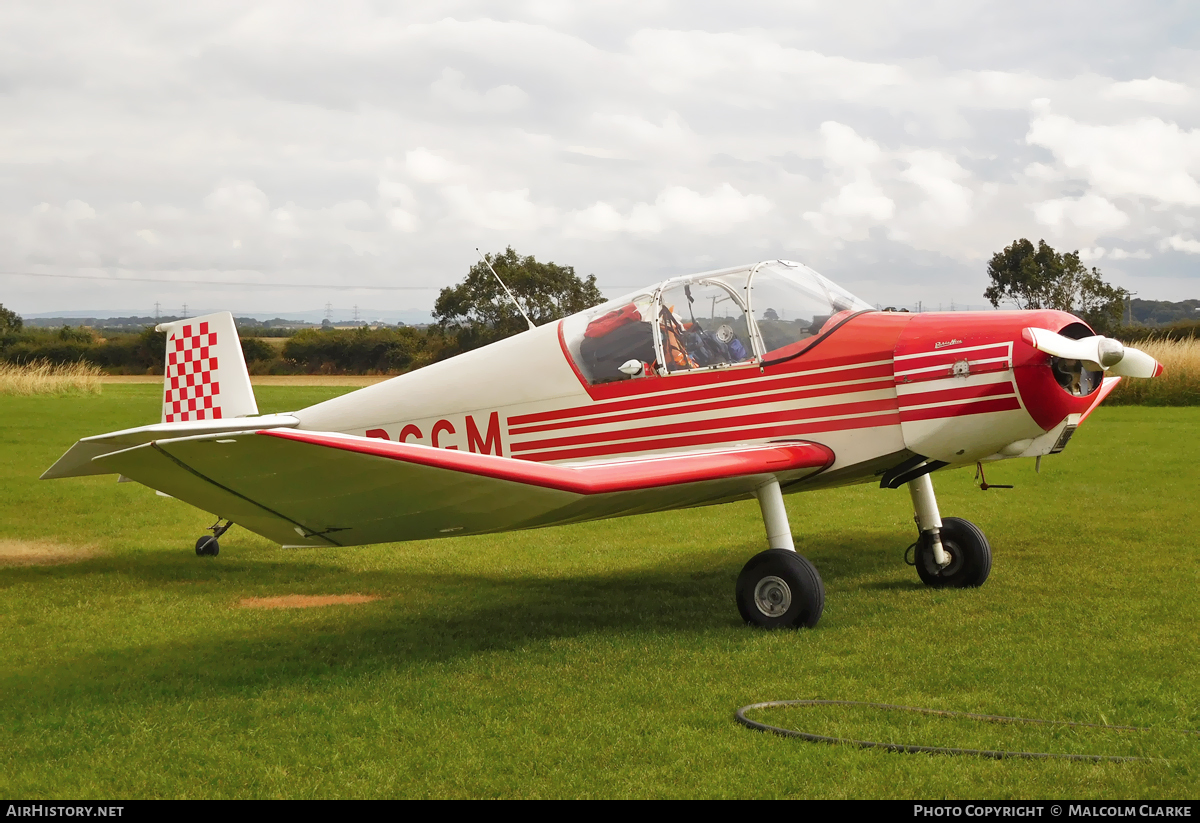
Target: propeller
{"x": 1103, "y": 352}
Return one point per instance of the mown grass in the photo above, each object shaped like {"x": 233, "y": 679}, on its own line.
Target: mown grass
{"x": 600, "y": 660}
{"x": 44, "y": 377}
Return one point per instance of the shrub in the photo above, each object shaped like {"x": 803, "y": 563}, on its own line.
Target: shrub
{"x": 1182, "y": 330}
{"x": 354, "y": 351}
{"x": 255, "y": 349}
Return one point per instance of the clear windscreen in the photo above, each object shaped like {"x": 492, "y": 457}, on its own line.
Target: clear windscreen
{"x": 790, "y": 303}
{"x": 716, "y": 319}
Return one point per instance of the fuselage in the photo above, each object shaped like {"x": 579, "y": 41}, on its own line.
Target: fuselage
{"x": 956, "y": 387}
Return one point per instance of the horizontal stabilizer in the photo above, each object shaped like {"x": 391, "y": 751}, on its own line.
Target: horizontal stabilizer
{"x": 77, "y": 462}
{"x": 319, "y": 488}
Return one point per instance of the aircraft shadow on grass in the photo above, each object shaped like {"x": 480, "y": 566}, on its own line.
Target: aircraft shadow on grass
{"x": 421, "y": 616}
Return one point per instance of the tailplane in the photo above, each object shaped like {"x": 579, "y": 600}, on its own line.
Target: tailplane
{"x": 205, "y": 376}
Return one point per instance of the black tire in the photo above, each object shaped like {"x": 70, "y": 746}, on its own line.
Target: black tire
{"x": 970, "y": 557}
{"x": 207, "y": 546}
{"x": 779, "y": 589}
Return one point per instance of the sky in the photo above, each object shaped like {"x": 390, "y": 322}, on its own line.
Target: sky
{"x": 281, "y": 157}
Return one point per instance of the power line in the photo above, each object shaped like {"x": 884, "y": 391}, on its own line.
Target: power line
{"x": 219, "y": 283}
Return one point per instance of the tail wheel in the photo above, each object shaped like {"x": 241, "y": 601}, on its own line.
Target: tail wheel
{"x": 779, "y": 589}
{"x": 207, "y": 546}
{"x": 969, "y": 552}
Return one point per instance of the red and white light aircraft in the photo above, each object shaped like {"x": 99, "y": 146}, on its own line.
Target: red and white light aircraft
{"x": 755, "y": 381}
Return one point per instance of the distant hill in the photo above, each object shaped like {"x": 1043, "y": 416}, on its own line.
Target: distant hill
{"x": 1164, "y": 313}
{"x": 124, "y": 323}
{"x": 139, "y": 323}
{"x": 109, "y": 318}
{"x": 247, "y": 326}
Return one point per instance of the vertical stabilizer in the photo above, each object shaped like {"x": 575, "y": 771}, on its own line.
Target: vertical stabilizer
{"x": 205, "y": 377}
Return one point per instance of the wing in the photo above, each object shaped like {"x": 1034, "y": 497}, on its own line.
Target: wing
{"x": 318, "y": 488}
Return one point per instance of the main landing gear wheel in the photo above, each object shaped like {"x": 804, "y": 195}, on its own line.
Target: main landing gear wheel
{"x": 207, "y": 546}
{"x": 779, "y": 589}
{"x": 969, "y": 552}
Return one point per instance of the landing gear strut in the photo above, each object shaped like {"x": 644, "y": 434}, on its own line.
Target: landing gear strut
{"x": 950, "y": 553}
{"x": 207, "y": 545}
{"x": 778, "y": 588}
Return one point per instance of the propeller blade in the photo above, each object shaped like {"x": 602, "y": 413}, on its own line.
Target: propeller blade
{"x": 1136, "y": 363}
{"x": 1102, "y": 352}
{"x": 1087, "y": 349}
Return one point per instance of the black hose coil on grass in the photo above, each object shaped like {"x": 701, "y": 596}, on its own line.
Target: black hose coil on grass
{"x": 740, "y": 715}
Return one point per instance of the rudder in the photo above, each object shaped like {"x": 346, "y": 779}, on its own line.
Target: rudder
{"x": 205, "y": 375}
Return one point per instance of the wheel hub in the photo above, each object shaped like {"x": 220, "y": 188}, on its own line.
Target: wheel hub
{"x": 953, "y": 561}
{"x": 772, "y": 596}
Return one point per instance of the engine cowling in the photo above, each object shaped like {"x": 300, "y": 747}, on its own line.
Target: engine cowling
{"x": 971, "y": 386}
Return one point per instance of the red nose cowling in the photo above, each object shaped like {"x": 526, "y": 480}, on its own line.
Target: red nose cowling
{"x": 1040, "y": 393}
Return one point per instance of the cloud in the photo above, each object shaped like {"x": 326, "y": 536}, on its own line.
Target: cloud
{"x": 638, "y": 135}
{"x": 79, "y": 210}
{"x": 1090, "y": 212}
{"x": 675, "y": 207}
{"x": 379, "y": 145}
{"x": 1181, "y": 243}
{"x": 598, "y": 218}
{"x": 239, "y": 200}
{"x": 846, "y": 150}
{"x": 751, "y": 68}
{"x": 1093, "y": 254}
{"x": 947, "y": 201}
{"x": 452, "y": 90}
{"x": 430, "y": 167}
{"x": 400, "y": 205}
{"x": 497, "y": 210}
{"x": 1122, "y": 254}
{"x": 859, "y": 201}
{"x": 1147, "y": 157}
{"x": 1152, "y": 90}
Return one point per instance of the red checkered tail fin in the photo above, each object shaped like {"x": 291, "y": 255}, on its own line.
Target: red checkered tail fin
{"x": 205, "y": 376}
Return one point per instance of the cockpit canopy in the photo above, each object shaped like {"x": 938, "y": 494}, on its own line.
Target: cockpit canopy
{"x": 713, "y": 320}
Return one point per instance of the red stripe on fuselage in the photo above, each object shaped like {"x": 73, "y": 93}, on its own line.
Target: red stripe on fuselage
{"x": 925, "y": 360}
{"x": 741, "y": 421}
{"x": 667, "y": 395}
{"x": 950, "y": 395}
{"x": 780, "y": 431}
{"x": 690, "y": 407}
{"x": 977, "y": 407}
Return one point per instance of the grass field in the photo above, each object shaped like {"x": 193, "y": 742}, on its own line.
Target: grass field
{"x": 604, "y": 659}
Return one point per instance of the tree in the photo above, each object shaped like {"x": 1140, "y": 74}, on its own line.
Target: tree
{"x": 477, "y": 311}
{"x": 10, "y": 321}
{"x": 1042, "y": 278}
